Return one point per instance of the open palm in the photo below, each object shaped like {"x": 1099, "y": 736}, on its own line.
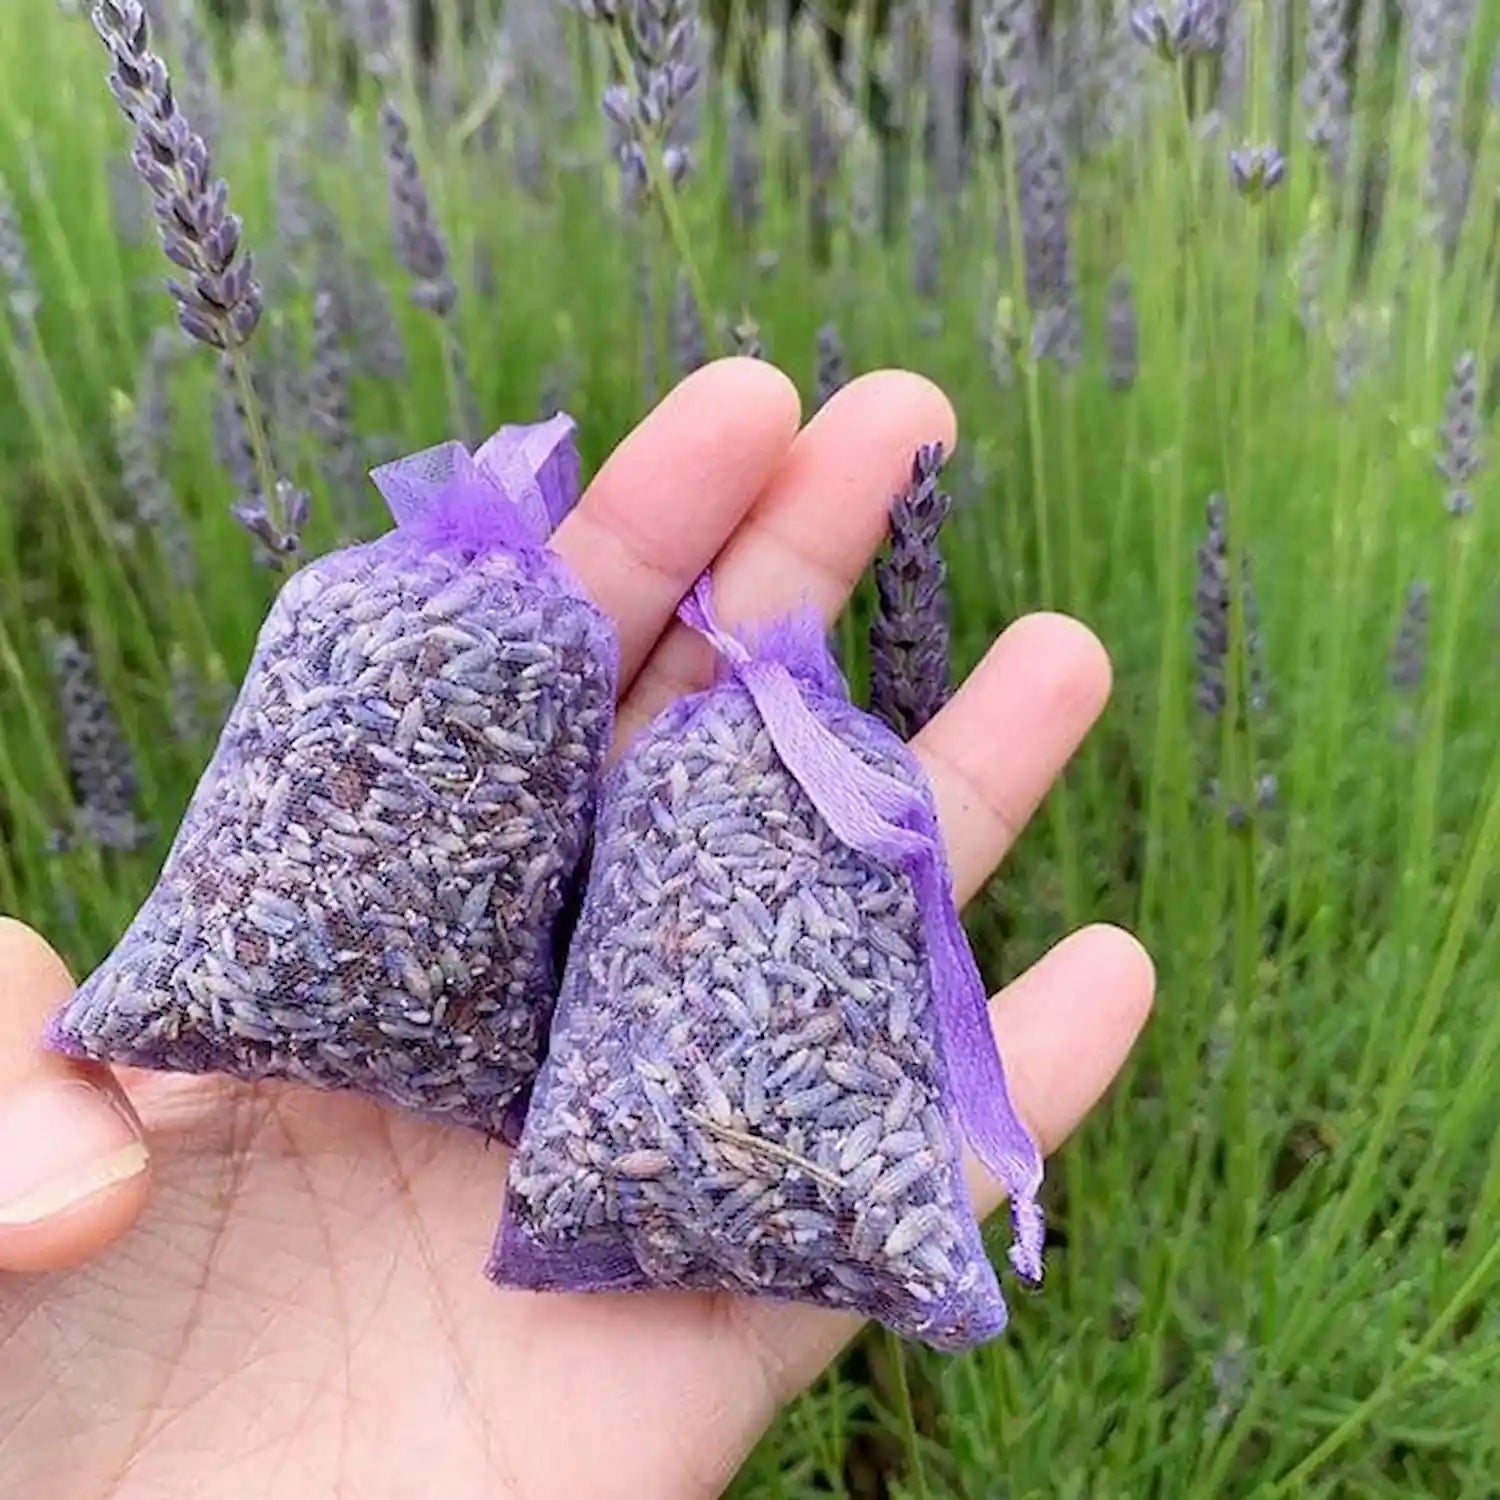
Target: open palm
{"x": 298, "y": 1311}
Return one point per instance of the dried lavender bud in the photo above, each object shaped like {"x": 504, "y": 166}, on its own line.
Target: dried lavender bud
{"x": 1325, "y": 89}
{"x": 746, "y": 1089}
{"x": 689, "y": 341}
{"x": 420, "y": 246}
{"x": 1409, "y": 650}
{"x": 1256, "y": 170}
{"x": 1461, "y": 455}
{"x": 220, "y": 304}
{"x": 1123, "y": 332}
{"x": 101, "y": 768}
{"x": 21, "y": 295}
{"x": 833, "y": 368}
{"x": 330, "y": 411}
{"x": 367, "y": 888}
{"x": 910, "y": 669}
{"x": 155, "y": 505}
{"x": 744, "y": 168}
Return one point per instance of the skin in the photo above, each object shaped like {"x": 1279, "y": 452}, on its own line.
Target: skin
{"x": 287, "y": 1301}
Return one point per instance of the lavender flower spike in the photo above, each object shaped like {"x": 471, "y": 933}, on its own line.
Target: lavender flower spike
{"x": 1255, "y": 170}
{"x": 99, "y": 762}
{"x": 1123, "y": 332}
{"x": 220, "y": 303}
{"x": 909, "y": 638}
{"x": 1409, "y": 652}
{"x": 16, "y": 279}
{"x": 833, "y": 368}
{"x": 1462, "y": 457}
{"x": 420, "y": 246}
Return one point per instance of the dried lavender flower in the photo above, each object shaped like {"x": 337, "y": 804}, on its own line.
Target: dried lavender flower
{"x": 101, "y": 768}
{"x": 1123, "y": 332}
{"x": 1461, "y": 456}
{"x": 689, "y": 340}
{"x": 420, "y": 246}
{"x": 1256, "y": 170}
{"x": 368, "y": 887}
{"x": 21, "y": 294}
{"x": 910, "y": 669}
{"x": 1409, "y": 650}
{"x": 220, "y": 303}
{"x": 833, "y": 368}
{"x": 747, "y": 1088}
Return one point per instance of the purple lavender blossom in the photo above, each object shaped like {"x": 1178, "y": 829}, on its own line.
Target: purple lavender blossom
{"x": 1122, "y": 332}
{"x": 833, "y": 368}
{"x": 689, "y": 339}
{"x": 1211, "y": 625}
{"x": 1461, "y": 457}
{"x": 649, "y": 109}
{"x": 420, "y": 246}
{"x": 910, "y": 669}
{"x": 744, "y": 168}
{"x": 1325, "y": 89}
{"x": 330, "y": 410}
{"x": 1256, "y": 170}
{"x": 220, "y": 304}
{"x": 1409, "y": 650}
{"x": 100, "y": 765}
{"x": 16, "y": 279}
{"x": 156, "y": 507}
{"x": 947, "y": 85}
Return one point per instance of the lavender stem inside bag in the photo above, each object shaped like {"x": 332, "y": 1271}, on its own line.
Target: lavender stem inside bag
{"x": 772, "y": 1038}
{"x": 368, "y": 885}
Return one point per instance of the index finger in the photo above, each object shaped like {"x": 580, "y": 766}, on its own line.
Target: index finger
{"x": 673, "y": 492}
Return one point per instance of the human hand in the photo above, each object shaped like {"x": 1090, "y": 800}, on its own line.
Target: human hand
{"x": 299, "y": 1310}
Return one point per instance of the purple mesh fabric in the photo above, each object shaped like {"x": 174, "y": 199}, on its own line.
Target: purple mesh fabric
{"x": 748, "y": 1088}
{"x": 369, "y": 885}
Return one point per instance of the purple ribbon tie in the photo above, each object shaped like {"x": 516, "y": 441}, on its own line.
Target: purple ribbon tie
{"x": 511, "y": 494}
{"x": 888, "y": 821}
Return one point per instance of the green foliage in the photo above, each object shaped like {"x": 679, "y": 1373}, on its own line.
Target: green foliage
{"x": 1278, "y": 1244}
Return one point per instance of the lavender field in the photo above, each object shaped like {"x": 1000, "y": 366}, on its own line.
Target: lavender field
{"x": 1213, "y": 288}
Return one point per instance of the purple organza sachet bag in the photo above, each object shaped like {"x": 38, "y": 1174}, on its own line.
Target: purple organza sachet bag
{"x": 772, "y": 1036}
{"x": 368, "y": 887}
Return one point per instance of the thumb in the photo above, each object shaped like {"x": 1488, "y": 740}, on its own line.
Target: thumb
{"x": 73, "y": 1160}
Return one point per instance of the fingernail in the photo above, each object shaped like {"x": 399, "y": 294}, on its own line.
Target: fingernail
{"x": 62, "y": 1141}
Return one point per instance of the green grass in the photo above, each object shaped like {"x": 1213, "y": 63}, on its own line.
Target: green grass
{"x": 1277, "y": 1261}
